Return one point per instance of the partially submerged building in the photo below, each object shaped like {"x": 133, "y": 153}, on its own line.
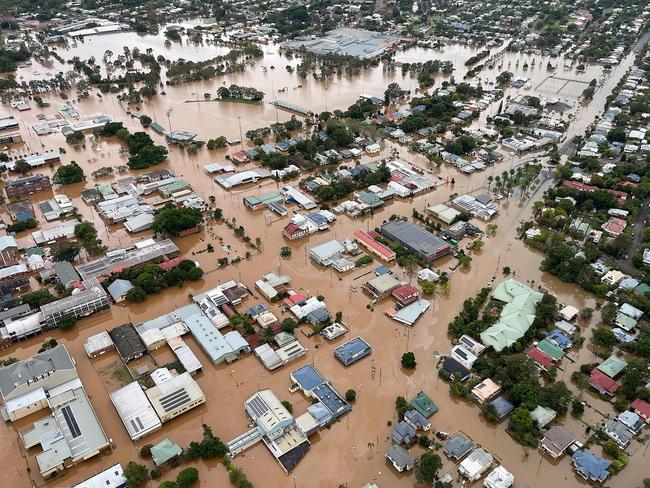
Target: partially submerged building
{"x": 400, "y": 458}
{"x": 416, "y": 239}
{"x": 135, "y": 411}
{"x": 474, "y": 465}
{"x": 352, "y": 351}
{"x": 175, "y": 396}
{"x": 556, "y": 441}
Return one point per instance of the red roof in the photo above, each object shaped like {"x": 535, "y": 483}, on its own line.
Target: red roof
{"x": 240, "y": 156}
{"x": 540, "y": 357}
{"x": 642, "y": 408}
{"x": 171, "y": 263}
{"x": 601, "y": 381}
{"x": 405, "y": 293}
{"x": 621, "y": 196}
{"x": 368, "y": 241}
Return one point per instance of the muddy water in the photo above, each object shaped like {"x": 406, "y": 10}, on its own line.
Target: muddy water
{"x": 351, "y": 451}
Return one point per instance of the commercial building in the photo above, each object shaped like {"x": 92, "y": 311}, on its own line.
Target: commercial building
{"x": 175, "y": 396}
{"x": 112, "y": 477}
{"x": 28, "y": 185}
{"x": 135, "y": 411}
{"x": 82, "y": 303}
{"x": 275, "y": 358}
{"x": 380, "y": 286}
{"x": 405, "y": 295}
{"x": 325, "y": 254}
{"x": 416, "y": 239}
{"x": 72, "y": 432}
{"x": 374, "y": 247}
{"x": 230, "y": 180}
{"x": 98, "y": 344}
{"x": 352, "y": 351}
{"x": 314, "y": 386}
{"x": 119, "y": 289}
{"x": 141, "y": 253}
{"x": 271, "y": 285}
{"x": 128, "y": 342}
{"x": 409, "y": 314}
{"x": 165, "y": 451}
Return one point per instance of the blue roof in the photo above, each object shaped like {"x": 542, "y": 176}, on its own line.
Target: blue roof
{"x": 307, "y": 377}
{"x": 317, "y": 218}
{"x": 590, "y": 465}
{"x": 403, "y": 432}
{"x": 502, "y": 406}
{"x": 560, "y": 339}
{"x": 381, "y": 270}
{"x": 318, "y": 316}
{"x": 352, "y": 351}
{"x": 330, "y": 398}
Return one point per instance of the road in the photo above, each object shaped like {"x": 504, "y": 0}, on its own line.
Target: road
{"x": 627, "y": 264}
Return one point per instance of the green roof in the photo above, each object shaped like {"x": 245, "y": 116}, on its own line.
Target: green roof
{"x": 164, "y": 451}
{"x": 283, "y": 338}
{"x": 612, "y": 366}
{"x": 423, "y": 404}
{"x": 625, "y": 322}
{"x": 642, "y": 289}
{"x": 157, "y": 127}
{"x": 516, "y": 317}
{"x": 542, "y": 415}
{"x": 263, "y": 199}
{"x": 173, "y": 187}
{"x": 551, "y": 349}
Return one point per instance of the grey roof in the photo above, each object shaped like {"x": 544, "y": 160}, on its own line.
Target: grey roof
{"x": 65, "y": 272}
{"x": 400, "y": 456}
{"x": 119, "y": 288}
{"x": 14, "y": 312}
{"x": 21, "y": 372}
{"x": 403, "y": 432}
{"x": 502, "y": 406}
{"x": 93, "y": 290}
{"x": 557, "y": 439}
{"x": 127, "y": 341}
{"x": 416, "y": 419}
{"x": 416, "y": 238}
{"x": 618, "y": 431}
{"x": 457, "y": 446}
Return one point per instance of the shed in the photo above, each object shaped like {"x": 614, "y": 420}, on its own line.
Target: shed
{"x": 165, "y": 451}
{"x": 119, "y": 289}
{"x": 98, "y": 344}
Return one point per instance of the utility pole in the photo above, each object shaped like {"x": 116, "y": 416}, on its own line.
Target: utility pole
{"x": 241, "y": 136}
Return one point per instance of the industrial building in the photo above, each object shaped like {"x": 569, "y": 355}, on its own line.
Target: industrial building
{"x": 314, "y": 386}
{"x": 135, "y": 411}
{"x": 175, "y": 396}
{"x": 418, "y": 240}
{"x": 112, "y": 477}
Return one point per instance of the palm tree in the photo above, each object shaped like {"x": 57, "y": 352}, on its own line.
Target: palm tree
{"x": 490, "y": 180}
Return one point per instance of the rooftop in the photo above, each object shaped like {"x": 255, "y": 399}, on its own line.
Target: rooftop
{"x": 352, "y": 351}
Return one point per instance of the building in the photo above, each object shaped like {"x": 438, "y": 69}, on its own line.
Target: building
{"x": 642, "y": 408}
{"x": 98, "y": 344}
{"x": 112, "y": 477}
{"x": 502, "y": 406}
{"x": 612, "y": 366}
{"x": 273, "y": 359}
{"x": 400, "y": 458}
{"x": 516, "y": 317}
{"x": 418, "y": 240}
{"x": 65, "y": 273}
{"x": 374, "y": 247}
{"x": 556, "y": 440}
{"x": 314, "y": 386}
{"x": 405, "y": 295}
{"x": 272, "y": 286}
{"x": 380, "y": 286}
{"x": 404, "y": 433}
{"x": 230, "y": 180}
{"x": 119, "y": 289}
{"x": 165, "y": 451}
{"x": 618, "y": 432}
{"x": 416, "y": 420}
{"x": 82, "y": 303}
{"x": 141, "y": 253}
{"x": 325, "y": 254}
{"x": 423, "y": 404}
{"x": 499, "y": 477}
{"x": 175, "y": 396}
{"x": 457, "y": 446}
{"x": 603, "y": 383}
{"x": 465, "y": 357}
{"x": 474, "y": 465}
{"x": 334, "y": 331}
{"x": 632, "y": 421}
{"x": 590, "y": 466}
{"x": 409, "y": 314}
{"x": 485, "y": 390}
{"x": 455, "y": 369}
{"x": 27, "y": 186}
{"x": 71, "y": 433}
{"x": 543, "y": 416}
{"x": 127, "y": 342}
{"x": 135, "y": 411}
{"x": 352, "y": 351}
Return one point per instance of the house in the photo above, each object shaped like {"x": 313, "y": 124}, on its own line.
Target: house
{"x": 568, "y": 313}
{"x": 603, "y": 383}
{"x": 405, "y": 294}
{"x": 474, "y": 465}
{"x": 293, "y": 232}
{"x": 98, "y": 344}
{"x": 471, "y": 344}
{"x": 618, "y": 432}
{"x": 485, "y": 390}
{"x": 416, "y": 420}
{"x": 499, "y": 477}
{"x": 556, "y": 440}
{"x": 454, "y": 369}
{"x": 381, "y": 286}
{"x": 409, "y": 314}
{"x": 543, "y": 416}
{"x": 463, "y": 356}
{"x": 403, "y": 433}
{"x": 642, "y": 408}
{"x": 612, "y": 366}
{"x": 502, "y": 406}
{"x": 457, "y": 446}
{"x": 119, "y": 289}
{"x": 66, "y": 275}
{"x": 630, "y": 311}
{"x": 423, "y": 404}
{"x": 165, "y": 451}
{"x": 632, "y": 421}
{"x": 400, "y": 458}
{"x": 590, "y": 466}
{"x": 543, "y": 360}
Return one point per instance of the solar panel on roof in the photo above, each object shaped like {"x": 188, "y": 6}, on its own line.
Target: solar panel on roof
{"x": 174, "y": 400}
{"x": 71, "y": 421}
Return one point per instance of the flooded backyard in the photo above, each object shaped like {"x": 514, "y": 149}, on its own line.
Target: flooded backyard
{"x": 351, "y": 451}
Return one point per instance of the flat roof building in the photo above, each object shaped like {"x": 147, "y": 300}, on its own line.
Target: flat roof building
{"x": 28, "y": 185}
{"x": 373, "y": 246}
{"x": 112, "y": 477}
{"x": 98, "y": 344}
{"x": 409, "y": 314}
{"x": 352, "y": 351}
{"x": 477, "y": 463}
{"x": 381, "y": 286}
{"x": 82, "y": 303}
{"x": 175, "y": 396}
{"x": 135, "y": 410}
{"x": 418, "y": 240}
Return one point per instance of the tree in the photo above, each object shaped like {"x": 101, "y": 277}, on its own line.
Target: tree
{"x": 287, "y": 405}
{"x": 350, "y": 396}
{"x": 67, "y": 321}
{"x": 23, "y": 167}
{"x": 577, "y": 408}
{"x": 145, "y": 451}
{"x": 604, "y": 336}
{"x": 187, "y": 477}
{"x": 394, "y": 93}
{"x": 196, "y": 273}
{"x": 145, "y": 120}
{"x": 634, "y": 377}
{"x": 136, "y": 475}
{"x": 586, "y": 313}
{"x": 172, "y": 221}
{"x": 147, "y": 156}
{"x": 138, "y": 141}
{"x": 68, "y": 174}
{"x": 136, "y": 295}
{"x": 521, "y": 421}
{"x": 428, "y": 467}
{"x": 65, "y": 251}
{"x": 285, "y": 251}
{"x": 608, "y": 313}
{"x": 167, "y": 484}
{"x": 464, "y": 260}
{"x": 409, "y": 263}
{"x": 289, "y": 325}
{"x": 643, "y": 346}
{"x": 428, "y": 287}
{"x": 217, "y": 143}
{"x": 408, "y": 360}
{"x": 490, "y": 412}
{"x": 401, "y": 405}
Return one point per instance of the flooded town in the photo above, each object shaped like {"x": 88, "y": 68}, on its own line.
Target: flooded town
{"x": 366, "y": 244}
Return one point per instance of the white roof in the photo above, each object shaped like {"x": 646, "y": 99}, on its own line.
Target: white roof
{"x": 268, "y": 356}
{"x": 476, "y": 463}
{"x": 98, "y": 342}
{"x": 133, "y": 407}
{"x": 24, "y": 325}
{"x": 187, "y": 358}
{"x": 499, "y": 477}
{"x": 112, "y": 477}
{"x": 569, "y": 312}
{"x": 22, "y": 401}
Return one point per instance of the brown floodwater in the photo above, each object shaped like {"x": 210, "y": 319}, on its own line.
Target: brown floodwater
{"x": 351, "y": 450}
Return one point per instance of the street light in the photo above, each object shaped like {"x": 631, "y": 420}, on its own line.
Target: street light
{"x": 169, "y": 119}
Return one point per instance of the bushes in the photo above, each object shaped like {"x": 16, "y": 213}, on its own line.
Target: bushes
{"x": 152, "y": 278}
{"x": 187, "y": 477}
{"x": 350, "y": 396}
{"x": 172, "y": 221}
{"x": 210, "y": 447}
{"x": 239, "y": 479}
{"x": 68, "y": 174}
{"x": 24, "y": 225}
{"x": 136, "y": 475}
{"x": 362, "y": 261}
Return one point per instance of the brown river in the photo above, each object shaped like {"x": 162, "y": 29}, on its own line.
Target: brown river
{"x": 351, "y": 451}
